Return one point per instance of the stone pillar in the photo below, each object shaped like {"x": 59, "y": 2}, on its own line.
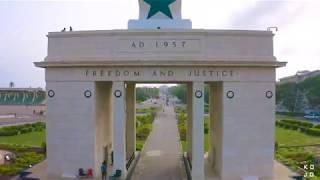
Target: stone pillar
{"x": 197, "y": 130}
{"x": 212, "y": 108}
{"x": 119, "y": 125}
{"x": 215, "y": 130}
{"x": 246, "y": 121}
{"x": 71, "y": 128}
{"x": 103, "y": 125}
{"x": 131, "y": 119}
{"x": 189, "y": 121}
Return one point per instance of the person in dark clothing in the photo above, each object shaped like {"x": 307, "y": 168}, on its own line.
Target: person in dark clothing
{"x": 111, "y": 158}
{"x": 104, "y": 170}
{"x": 81, "y": 172}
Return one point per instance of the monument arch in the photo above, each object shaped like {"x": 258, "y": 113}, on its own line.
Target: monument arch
{"x": 91, "y": 77}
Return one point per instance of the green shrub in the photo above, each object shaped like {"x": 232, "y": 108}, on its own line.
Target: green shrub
{"x": 154, "y": 109}
{"x": 296, "y": 122}
{"x": 21, "y": 129}
{"x": 182, "y": 117}
{"x": 15, "y": 147}
{"x": 143, "y": 132}
{"x": 182, "y": 132}
{"x": 317, "y": 126}
{"x": 287, "y": 125}
{"x": 299, "y": 156}
{"x": 9, "y": 169}
{"x": 146, "y": 119}
{"x": 141, "y": 110}
{"x": 317, "y": 171}
{"x": 304, "y": 129}
{"x": 179, "y": 109}
{"x": 144, "y": 125}
{"x": 313, "y": 132}
{"x": 39, "y": 125}
{"x": 291, "y": 113}
{"x": 8, "y": 132}
{"x": 306, "y": 124}
{"x": 139, "y": 145}
{"x": 24, "y": 158}
{"x": 25, "y": 130}
{"x": 28, "y": 158}
{"x": 206, "y": 126}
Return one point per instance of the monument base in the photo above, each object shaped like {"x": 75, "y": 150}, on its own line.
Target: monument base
{"x": 160, "y": 24}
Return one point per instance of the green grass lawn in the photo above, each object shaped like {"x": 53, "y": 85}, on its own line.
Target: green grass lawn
{"x": 31, "y": 139}
{"x": 286, "y": 137}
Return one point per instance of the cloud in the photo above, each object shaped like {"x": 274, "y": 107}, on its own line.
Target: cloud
{"x": 24, "y": 25}
{"x": 295, "y": 42}
{"x": 263, "y": 14}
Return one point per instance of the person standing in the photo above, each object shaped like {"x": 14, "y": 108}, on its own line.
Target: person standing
{"x": 111, "y": 158}
{"x": 104, "y": 170}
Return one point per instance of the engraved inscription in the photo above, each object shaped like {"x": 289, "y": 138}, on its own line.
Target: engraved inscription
{"x": 161, "y": 44}
{"x": 215, "y": 73}
{"x": 147, "y": 45}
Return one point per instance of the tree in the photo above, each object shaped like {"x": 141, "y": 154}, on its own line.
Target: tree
{"x": 289, "y": 93}
{"x": 180, "y": 91}
{"x": 311, "y": 88}
{"x": 144, "y": 93}
{"x": 286, "y": 94}
{"x": 11, "y": 84}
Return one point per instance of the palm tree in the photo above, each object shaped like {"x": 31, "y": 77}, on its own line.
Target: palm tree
{"x": 11, "y": 84}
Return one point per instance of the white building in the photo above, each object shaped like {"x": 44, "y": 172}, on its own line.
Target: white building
{"x": 299, "y": 76}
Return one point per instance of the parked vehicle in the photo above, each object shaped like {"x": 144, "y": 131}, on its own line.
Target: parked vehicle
{"x": 312, "y": 116}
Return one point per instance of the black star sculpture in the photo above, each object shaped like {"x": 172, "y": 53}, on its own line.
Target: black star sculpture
{"x": 159, "y": 6}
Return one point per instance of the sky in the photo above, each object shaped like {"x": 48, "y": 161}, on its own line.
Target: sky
{"x": 24, "y": 25}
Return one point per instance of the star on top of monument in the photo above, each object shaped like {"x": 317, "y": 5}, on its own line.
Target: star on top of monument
{"x": 159, "y": 6}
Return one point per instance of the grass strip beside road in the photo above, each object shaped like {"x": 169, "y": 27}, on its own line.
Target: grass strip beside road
{"x": 31, "y": 139}
{"x": 287, "y": 137}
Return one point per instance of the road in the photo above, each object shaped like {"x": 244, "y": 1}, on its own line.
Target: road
{"x": 20, "y": 120}
{"x": 161, "y": 157}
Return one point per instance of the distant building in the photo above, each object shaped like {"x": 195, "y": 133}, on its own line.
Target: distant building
{"x": 22, "y": 101}
{"x": 299, "y": 76}
{"x": 301, "y": 103}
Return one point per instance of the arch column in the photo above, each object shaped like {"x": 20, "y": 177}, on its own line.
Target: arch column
{"x": 243, "y": 130}
{"x": 189, "y": 122}
{"x": 119, "y": 127}
{"x": 197, "y": 143}
{"x": 130, "y": 119}
{"x": 215, "y": 127}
